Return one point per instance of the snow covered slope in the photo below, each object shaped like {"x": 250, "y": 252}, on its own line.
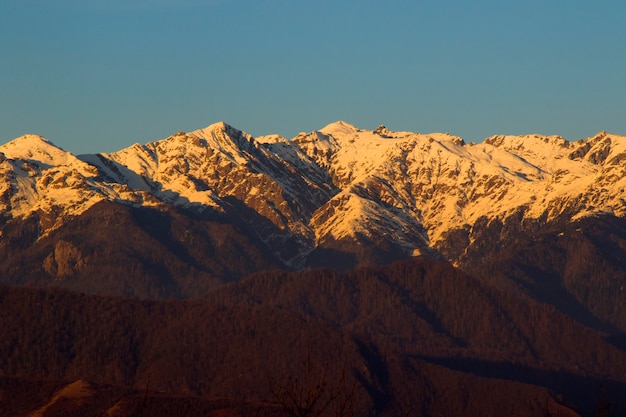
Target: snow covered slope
{"x": 439, "y": 182}
{"x": 402, "y": 191}
{"x": 37, "y": 176}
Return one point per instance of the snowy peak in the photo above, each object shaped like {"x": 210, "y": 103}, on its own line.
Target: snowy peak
{"x": 601, "y": 149}
{"x": 224, "y": 169}
{"x": 339, "y": 128}
{"x": 37, "y": 149}
{"x": 225, "y": 138}
{"x": 439, "y": 182}
{"x": 351, "y": 154}
{"x": 536, "y": 149}
{"x": 597, "y": 150}
{"x": 511, "y": 143}
{"x": 38, "y": 176}
{"x": 347, "y": 152}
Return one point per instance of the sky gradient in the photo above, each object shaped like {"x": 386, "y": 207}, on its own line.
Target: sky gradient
{"x": 100, "y": 75}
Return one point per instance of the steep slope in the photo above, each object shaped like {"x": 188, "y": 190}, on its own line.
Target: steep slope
{"x": 436, "y": 183}
{"x": 579, "y": 267}
{"x": 136, "y": 251}
{"x": 37, "y": 176}
{"x": 227, "y": 170}
{"x": 217, "y": 168}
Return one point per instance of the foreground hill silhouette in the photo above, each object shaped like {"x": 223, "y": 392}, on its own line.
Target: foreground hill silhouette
{"x": 417, "y": 337}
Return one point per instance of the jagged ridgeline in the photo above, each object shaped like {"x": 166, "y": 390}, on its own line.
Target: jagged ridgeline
{"x": 213, "y": 205}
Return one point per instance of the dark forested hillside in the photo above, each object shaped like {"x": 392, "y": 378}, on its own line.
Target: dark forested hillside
{"x": 578, "y": 267}
{"x": 114, "y": 249}
{"x": 417, "y": 337}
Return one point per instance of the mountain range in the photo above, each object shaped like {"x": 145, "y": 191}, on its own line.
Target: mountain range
{"x": 429, "y": 262}
{"x": 339, "y": 188}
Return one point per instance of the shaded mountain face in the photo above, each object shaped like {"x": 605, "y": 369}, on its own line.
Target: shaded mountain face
{"x": 578, "y": 266}
{"x": 210, "y": 206}
{"x": 417, "y": 337}
{"x": 136, "y": 251}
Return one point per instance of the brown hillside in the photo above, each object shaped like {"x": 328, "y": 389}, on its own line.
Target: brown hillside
{"x": 416, "y": 337}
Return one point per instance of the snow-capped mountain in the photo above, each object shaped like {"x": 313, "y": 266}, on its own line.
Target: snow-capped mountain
{"x": 37, "y": 176}
{"x": 340, "y": 187}
{"x": 533, "y": 227}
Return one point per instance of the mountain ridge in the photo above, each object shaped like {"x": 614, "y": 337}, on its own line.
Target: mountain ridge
{"x": 401, "y": 190}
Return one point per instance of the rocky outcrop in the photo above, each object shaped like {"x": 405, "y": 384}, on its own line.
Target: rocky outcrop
{"x": 65, "y": 260}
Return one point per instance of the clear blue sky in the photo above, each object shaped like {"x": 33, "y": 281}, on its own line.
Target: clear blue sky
{"x": 99, "y": 75}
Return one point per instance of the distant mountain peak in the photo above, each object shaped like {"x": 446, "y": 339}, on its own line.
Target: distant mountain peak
{"x": 37, "y": 149}
{"x": 28, "y": 138}
{"x": 517, "y": 142}
{"x": 220, "y": 127}
{"x": 339, "y": 127}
